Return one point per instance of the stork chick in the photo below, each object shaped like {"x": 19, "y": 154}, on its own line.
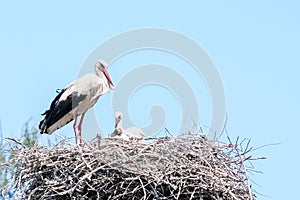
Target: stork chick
{"x": 131, "y": 133}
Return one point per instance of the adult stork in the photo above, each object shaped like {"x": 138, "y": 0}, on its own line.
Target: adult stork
{"x": 76, "y": 99}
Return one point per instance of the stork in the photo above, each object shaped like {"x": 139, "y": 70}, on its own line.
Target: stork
{"x": 131, "y": 133}
{"x": 75, "y": 100}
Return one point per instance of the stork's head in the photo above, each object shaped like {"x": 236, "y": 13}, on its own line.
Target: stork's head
{"x": 118, "y": 121}
{"x": 101, "y": 68}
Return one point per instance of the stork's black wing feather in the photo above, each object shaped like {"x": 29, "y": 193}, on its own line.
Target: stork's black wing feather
{"x": 59, "y": 109}
{"x": 55, "y": 100}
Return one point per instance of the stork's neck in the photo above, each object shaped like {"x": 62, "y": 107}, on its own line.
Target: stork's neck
{"x": 103, "y": 85}
{"x": 99, "y": 73}
{"x": 119, "y": 123}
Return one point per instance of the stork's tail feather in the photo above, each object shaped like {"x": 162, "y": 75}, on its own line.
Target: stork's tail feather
{"x": 41, "y": 127}
{"x": 58, "y": 110}
{"x": 42, "y": 124}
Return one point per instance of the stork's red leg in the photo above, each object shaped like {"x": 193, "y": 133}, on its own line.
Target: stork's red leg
{"x": 75, "y": 129}
{"x": 80, "y": 128}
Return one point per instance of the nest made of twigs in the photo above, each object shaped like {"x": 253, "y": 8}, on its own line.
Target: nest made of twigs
{"x": 182, "y": 167}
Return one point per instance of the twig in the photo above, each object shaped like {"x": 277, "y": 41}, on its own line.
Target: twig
{"x": 245, "y": 171}
{"x": 14, "y": 140}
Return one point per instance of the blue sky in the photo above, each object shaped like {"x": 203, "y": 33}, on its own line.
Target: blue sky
{"x": 254, "y": 46}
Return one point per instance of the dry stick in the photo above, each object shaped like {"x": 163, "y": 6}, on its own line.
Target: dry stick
{"x": 63, "y": 138}
{"x": 266, "y": 145}
{"x": 245, "y": 171}
{"x": 16, "y": 141}
{"x": 145, "y": 196}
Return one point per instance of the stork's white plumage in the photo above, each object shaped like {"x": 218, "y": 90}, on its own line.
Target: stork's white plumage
{"x": 131, "y": 133}
{"x": 76, "y": 99}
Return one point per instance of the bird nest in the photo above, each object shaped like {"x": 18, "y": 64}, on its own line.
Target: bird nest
{"x": 182, "y": 167}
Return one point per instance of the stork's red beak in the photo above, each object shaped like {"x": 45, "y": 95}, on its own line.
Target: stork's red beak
{"x": 106, "y": 73}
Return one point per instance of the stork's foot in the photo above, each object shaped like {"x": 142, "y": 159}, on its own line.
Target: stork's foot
{"x": 81, "y": 143}
{"x": 80, "y": 140}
